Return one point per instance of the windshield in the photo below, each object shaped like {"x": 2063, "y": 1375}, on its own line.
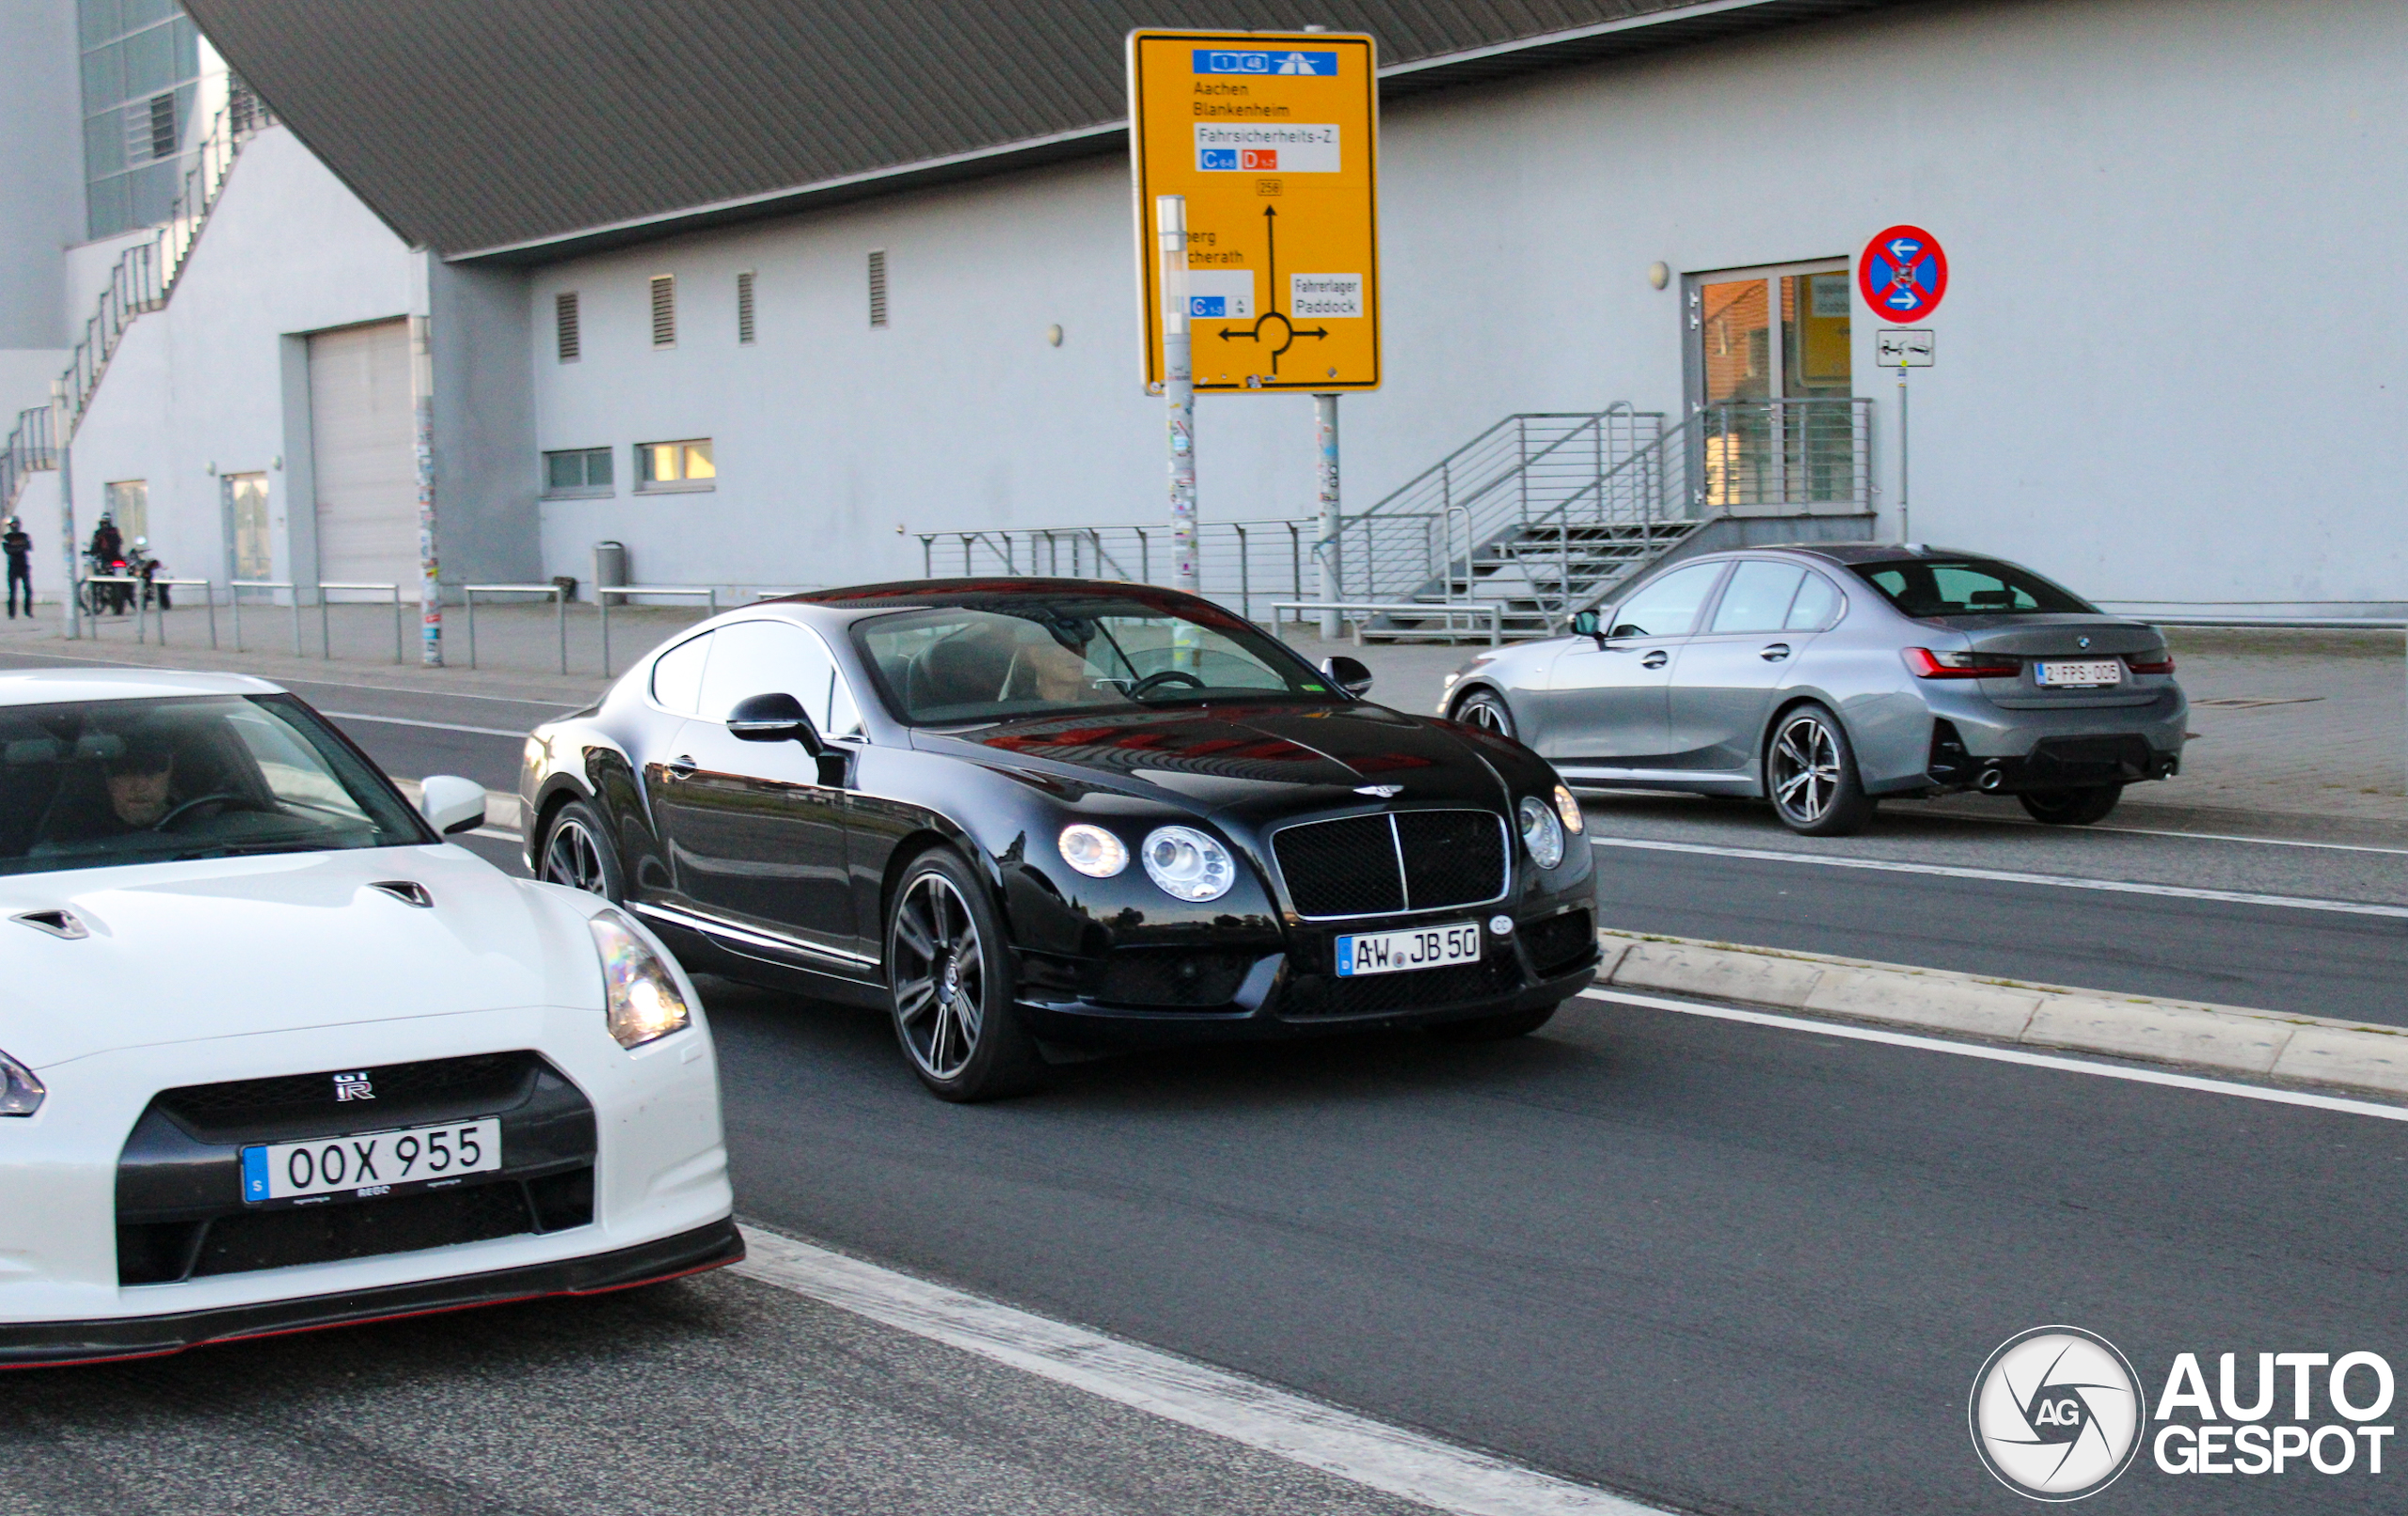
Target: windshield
{"x": 1928, "y": 587}
{"x": 1017, "y": 658}
{"x": 97, "y": 783}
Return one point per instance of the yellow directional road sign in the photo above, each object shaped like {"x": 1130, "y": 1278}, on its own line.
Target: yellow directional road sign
{"x": 1274, "y": 138}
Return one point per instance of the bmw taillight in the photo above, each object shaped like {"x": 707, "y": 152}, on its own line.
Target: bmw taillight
{"x": 2163, "y": 664}
{"x": 1925, "y": 664}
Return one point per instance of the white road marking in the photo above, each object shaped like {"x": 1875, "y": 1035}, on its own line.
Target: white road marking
{"x": 432, "y": 726}
{"x": 2004, "y": 1055}
{"x": 2160, "y": 831}
{"x": 323, "y": 684}
{"x": 2061, "y": 881}
{"x": 1389, "y": 1458}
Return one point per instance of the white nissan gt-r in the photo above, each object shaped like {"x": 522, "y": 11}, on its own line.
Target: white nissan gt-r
{"x": 276, "y": 1056}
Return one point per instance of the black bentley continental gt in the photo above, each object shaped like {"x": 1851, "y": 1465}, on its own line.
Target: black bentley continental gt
{"x": 1022, "y": 813}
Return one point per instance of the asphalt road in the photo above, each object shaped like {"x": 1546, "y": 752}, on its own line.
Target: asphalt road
{"x": 1717, "y": 1265}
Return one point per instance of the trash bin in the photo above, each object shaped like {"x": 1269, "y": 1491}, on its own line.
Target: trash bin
{"x": 609, "y": 566}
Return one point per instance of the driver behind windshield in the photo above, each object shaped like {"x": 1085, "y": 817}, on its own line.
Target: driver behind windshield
{"x": 135, "y": 792}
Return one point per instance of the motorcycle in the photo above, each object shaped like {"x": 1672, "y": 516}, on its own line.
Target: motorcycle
{"x": 139, "y": 561}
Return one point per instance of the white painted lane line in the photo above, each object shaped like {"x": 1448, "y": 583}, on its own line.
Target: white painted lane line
{"x": 1389, "y": 1458}
{"x": 2160, "y": 831}
{"x": 2004, "y": 1055}
{"x": 432, "y": 726}
{"x": 2061, "y": 881}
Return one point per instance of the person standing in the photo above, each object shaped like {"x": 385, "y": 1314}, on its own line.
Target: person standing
{"x": 20, "y": 549}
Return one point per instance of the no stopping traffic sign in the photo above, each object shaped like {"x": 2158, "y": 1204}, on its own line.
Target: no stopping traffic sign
{"x": 1902, "y": 273}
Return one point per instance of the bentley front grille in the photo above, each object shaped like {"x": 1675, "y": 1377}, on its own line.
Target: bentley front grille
{"x": 1385, "y": 866}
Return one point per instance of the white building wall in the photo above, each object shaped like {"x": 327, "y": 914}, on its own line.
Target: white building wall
{"x": 2162, "y": 376}
{"x": 41, "y": 194}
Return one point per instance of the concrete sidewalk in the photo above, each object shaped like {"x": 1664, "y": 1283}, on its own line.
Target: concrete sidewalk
{"x": 2300, "y": 734}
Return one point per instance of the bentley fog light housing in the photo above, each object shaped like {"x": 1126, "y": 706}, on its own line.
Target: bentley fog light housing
{"x": 20, "y": 1092}
{"x": 1541, "y": 833}
{"x": 640, "y": 996}
{"x": 1187, "y": 864}
{"x": 1092, "y": 852}
{"x": 1569, "y": 809}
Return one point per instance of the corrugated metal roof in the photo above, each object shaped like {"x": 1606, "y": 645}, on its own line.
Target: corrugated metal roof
{"x": 530, "y": 128}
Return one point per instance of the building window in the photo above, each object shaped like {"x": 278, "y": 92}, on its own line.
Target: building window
{"x": 744, "y": 308}
{"x": 141, "y": 71}
{"x": 129, "y": 506}
{"x": 675, "y": 465}
{"x": 247, "y": 500}
{"x": 877, "y": 288}
{"x": 664, "y": 310}
{"x": 565, "y": 332}
{"x": 577, "y": 471}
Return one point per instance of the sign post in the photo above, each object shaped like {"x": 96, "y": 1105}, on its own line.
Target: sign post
{"x": 1269, "y": 142}
{"x": 1903, "y": 273}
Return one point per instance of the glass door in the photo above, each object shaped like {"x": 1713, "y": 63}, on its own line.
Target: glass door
{"x": 247, "y": 496}
{"x": 1771, "y": 372}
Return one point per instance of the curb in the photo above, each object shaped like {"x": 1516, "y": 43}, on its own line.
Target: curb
{"x": 2307, "y": 1047}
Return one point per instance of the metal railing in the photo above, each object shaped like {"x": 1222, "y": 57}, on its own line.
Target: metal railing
{"x": 147, "y": 604}
{"x": 29, "y": 450}
{"x": 1360, "y": 614}
{"x": 325, "y": 633}
{"x": 1236, "y": 561}
{"x": 559, "y": 593}
{"x": 602, "y": 593}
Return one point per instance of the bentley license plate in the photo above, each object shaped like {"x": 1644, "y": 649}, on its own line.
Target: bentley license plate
{"x": 376, "y": 1163}
{"x": 1424, "y": 947}
{"x": 2101, "y": 671}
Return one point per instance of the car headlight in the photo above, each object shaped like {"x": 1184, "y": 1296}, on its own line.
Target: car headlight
{"x": 641, "y": 994}
{"x": 1188, "y": 864}
{"x": 1541, "y": 833}
{"x": 1569, "y": 809}
{"x": 20, "y": 1092}
{"x": 1092, "y": 852}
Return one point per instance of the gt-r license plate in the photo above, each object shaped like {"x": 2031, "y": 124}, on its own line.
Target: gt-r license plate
{"x": 1424, "y": 947}
{"x": 2093, "y": 672}
{"x": 374, "y": 1163}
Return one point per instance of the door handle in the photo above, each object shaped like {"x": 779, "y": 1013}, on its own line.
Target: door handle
{"x": 1775, "y": 653}
{"x": 1656, "y": 659}
{"x": 683, "y": 765}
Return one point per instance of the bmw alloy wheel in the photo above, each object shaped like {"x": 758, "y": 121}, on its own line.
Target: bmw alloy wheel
{"x": 1805, "y": 765}
{"x": 571, "y": 856}
{"x": 939, "y": 975}
{"x": 1486, "y": 713}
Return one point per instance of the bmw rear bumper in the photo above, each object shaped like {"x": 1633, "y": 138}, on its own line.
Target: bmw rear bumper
{"x": 33, "y": 1344}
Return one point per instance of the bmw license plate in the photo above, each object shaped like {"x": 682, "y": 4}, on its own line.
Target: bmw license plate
{"x": 374, "y": 1163}
{"x": 1424, "y": 947}
{"x": 2093, "y": 672}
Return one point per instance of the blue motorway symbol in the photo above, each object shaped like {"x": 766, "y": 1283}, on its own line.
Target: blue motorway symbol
{"x": 1208, "y": 304}
{"x": 1225, "y": 61}
{"x": 1211, "y": 158}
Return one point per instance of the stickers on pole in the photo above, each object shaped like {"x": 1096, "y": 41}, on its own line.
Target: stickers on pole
{"x": 1903, "y": 273}
{"x": 1274, "y": 139}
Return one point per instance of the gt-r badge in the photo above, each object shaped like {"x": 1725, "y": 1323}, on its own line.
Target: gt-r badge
{"x": 1386, "y": 792}
{"x": 353, "y": 1086}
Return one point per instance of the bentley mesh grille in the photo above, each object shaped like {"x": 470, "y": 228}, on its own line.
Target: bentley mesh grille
{"x": 1382, "y": 864}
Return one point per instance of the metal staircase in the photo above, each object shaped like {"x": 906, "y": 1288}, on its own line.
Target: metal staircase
{"x": 143, "y": 279}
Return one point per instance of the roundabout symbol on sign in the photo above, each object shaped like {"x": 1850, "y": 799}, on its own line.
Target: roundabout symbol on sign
{"x": 1902, "y": 274}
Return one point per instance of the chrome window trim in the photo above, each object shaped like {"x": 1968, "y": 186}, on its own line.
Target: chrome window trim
{"x": 711, "y": 926}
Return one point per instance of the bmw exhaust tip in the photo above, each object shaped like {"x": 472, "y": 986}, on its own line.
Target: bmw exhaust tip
{"x": 1991, "y": 779}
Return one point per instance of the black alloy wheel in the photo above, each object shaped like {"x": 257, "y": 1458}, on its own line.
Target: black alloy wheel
{"x": 951, "y": 972}
{"x": 577, "y": 852}
{"x": 1486, "y": 711}
{"x": 1494, "y": 1028}
{"x": 2071, "y": 807}
{"x": 1810, "y": 777}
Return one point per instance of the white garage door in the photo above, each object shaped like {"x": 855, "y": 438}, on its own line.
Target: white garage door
{"x": 361, "y": 425}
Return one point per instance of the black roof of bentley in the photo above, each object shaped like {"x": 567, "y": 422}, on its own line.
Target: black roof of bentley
{"x": 527, "y": 130}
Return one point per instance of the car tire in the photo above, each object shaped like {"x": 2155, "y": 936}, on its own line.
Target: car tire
{"x": 1811, "y": 776}
{"x": 1486, "y": 710}
{"x": 950, "y": 970}
{"x": 1497, "y": 1027}
{"x": 2071, "y": 807}
{"x": 577, "y": 851}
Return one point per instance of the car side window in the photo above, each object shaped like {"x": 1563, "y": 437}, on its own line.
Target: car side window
{"x": 677, "y": 675}
{"x": 759, "y": 657}
{"x": 1758, "y": 597}
{"x": 1818, "y": 605}
{"x": 1668, "y": 607}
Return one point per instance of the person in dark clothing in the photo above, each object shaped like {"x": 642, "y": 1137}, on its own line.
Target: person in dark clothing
{"x": 20, "y": 548}
{"x": 108, "y": 551}
{"x": 108, "y": 544}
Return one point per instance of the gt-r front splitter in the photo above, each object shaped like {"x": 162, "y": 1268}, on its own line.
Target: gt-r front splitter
{"x": 36, "y": 1344}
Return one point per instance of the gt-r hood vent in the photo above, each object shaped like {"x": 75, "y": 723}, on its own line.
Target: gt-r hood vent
{"x": 167, "y": 952}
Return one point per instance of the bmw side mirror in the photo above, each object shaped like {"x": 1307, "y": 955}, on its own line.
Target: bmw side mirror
{"x": 1587, "y": 623}
{"x": 452, "y": 804}
{"x": 1347, "y": 675}
{"x": 777, "y": 717}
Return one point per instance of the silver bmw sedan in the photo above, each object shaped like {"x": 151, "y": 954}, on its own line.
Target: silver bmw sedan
{"x": 1824, "y": 678}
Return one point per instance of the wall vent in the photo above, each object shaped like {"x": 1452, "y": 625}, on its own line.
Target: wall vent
{"x": 151, "y": 129}
{"x": 744, "y": 308}
{"x": 664, "y": 310}
{"x": 877, "y": 288}
{"x": 565, "y": 327}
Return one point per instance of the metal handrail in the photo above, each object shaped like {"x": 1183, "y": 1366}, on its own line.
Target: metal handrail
{"x": 325, "y": 638}
{"x": 144, "y": 603}
{"x": 234, "y": 598}
{"x": 559, "y": 593}
{"x": 602, "y": 593}
{"x": 1493, "y": 614}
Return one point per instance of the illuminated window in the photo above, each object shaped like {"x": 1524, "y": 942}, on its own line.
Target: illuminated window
{"x": 673, "y": 466}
